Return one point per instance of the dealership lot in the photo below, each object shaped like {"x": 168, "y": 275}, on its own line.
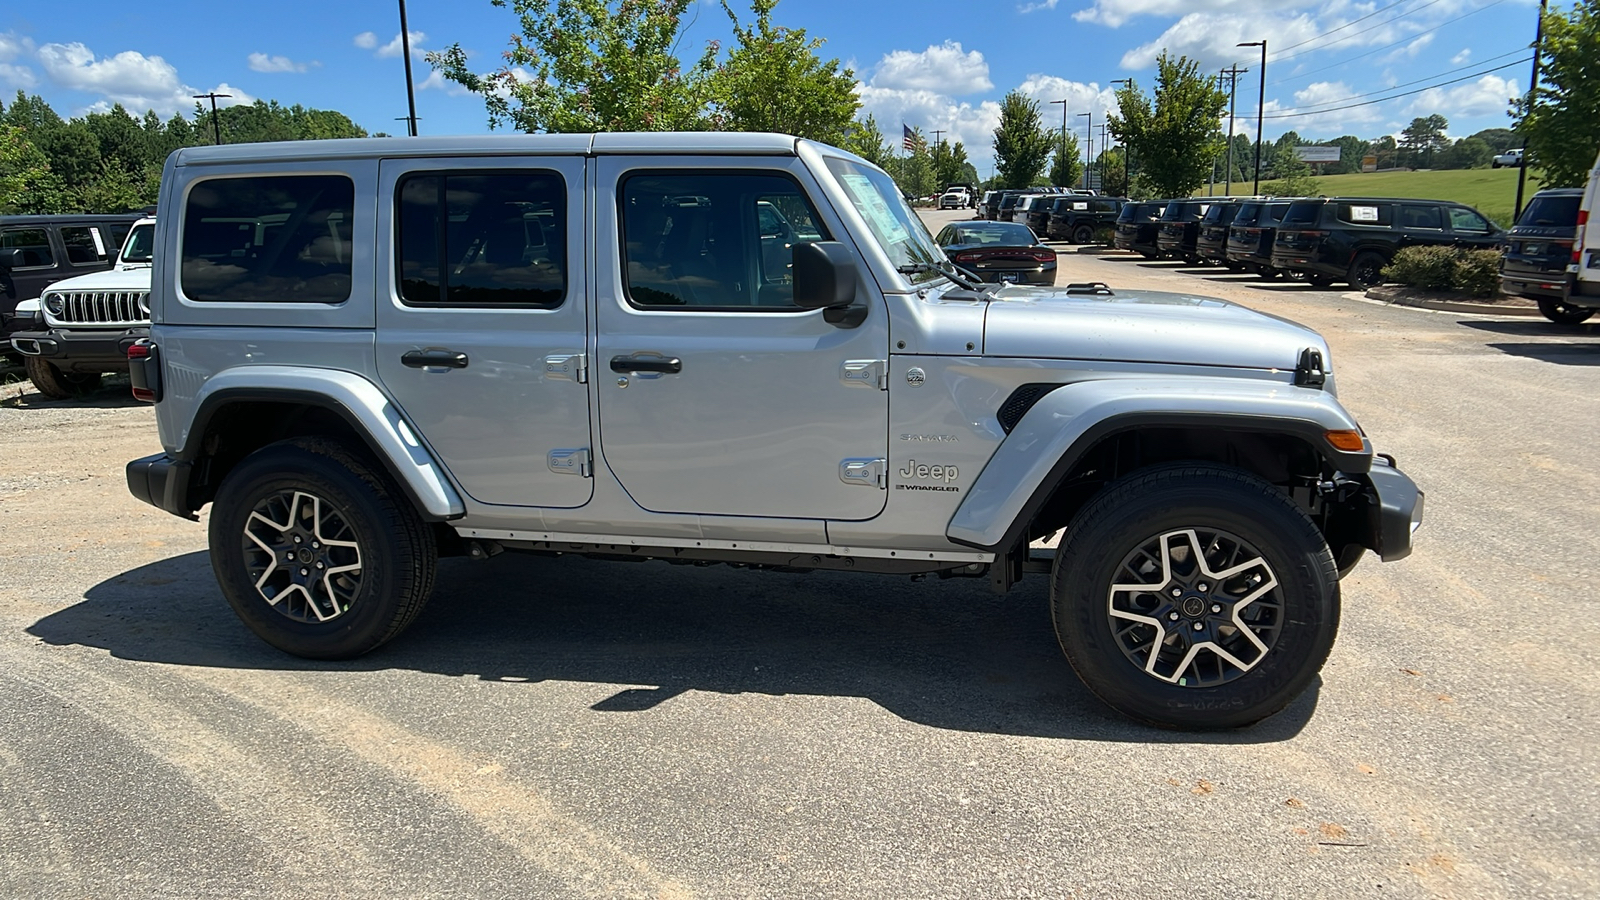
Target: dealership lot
{"x": 577, "y": 728}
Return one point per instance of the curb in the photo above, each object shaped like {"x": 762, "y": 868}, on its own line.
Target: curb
{"x": 1482, "y": 309}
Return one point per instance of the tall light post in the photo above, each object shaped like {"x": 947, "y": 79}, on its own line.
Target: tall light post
{"x": 1063, "y": 127}
{"x": 405, "y": 50}
{"x": 1533, "y": 85}
{"x": 1127, "y": 149}
{"x": 1261, "y": 108}
{"x": 1088, "y": 147}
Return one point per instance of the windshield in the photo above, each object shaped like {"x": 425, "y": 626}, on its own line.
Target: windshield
{"x": 905, "y": 240}
{"x": 1559, "y": 211}
{"x": 140, "y": 246}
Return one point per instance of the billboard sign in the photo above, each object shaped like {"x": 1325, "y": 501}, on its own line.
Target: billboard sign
{"x": 1318, "y": 154}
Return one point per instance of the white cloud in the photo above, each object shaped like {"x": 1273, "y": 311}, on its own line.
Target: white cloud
{"x": 437, "y": 82}
{"x": 941, "y": 67}
{"x": 1489, "y": 95}
{"x": 130, "y": 78}
{"x": 393, "y": 49}
{"x": 366, "y": 40}
{"x": 1461, "y": 58}
{"x": 1080, "y": 97}
{"x": 1026, "y": 8}
{"x": 1212, "y": 39}
{"x": 1409, "y": 51}
{"x": 972, "y": 125}
{"x": 13, "y": 49}
{"x": 1116, "y": 13}
{"x": 261, "y": 62}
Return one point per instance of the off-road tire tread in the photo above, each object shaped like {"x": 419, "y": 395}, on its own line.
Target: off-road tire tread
{"x": 47, "y": 380}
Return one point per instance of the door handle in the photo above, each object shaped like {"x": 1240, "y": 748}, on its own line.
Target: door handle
{"x": 660, "y": 365}
{"x": 434, "y": 358}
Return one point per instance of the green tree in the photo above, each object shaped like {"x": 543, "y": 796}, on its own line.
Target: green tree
{"x": 1176, "y": 137}
{"x": 1562, "y": 127}
{"x": 582, "y": 66}
{"x": 950, "y": 163}
{"x": 25, "y": 180}
{"x": 1021, "y": 146}
{"x": 1467, "y": 153}
{"x": 1499, "y": 140}
{"x": 1423, "y": 139}
{"x": 1112, "y": 166}
{"x": 1065, "y": 169}
{"x": 1351, "y": 151}
{"x": 914, "y": 172}
{"x": 773, "y": 80}
{"x": 865, "y": 140}
{"x": 1293, "y": 175}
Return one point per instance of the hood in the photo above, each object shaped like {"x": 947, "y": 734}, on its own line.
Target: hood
{"x": 123, "y": 277}
{"x": 1142, "y": 326}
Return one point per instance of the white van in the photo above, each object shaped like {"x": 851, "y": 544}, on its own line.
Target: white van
{"x": 1583, "y": 273}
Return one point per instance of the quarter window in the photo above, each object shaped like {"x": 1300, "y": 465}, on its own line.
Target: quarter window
{"x": 713, "y": 241}
{"x": 483, "y": 239}
{"x": 1467, "y": 220}
{"x": 34, "y": 244}
{"x": 269, "y": 239}
{"x": 84, "y": 246}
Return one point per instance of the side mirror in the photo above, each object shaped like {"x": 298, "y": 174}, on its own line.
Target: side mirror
{"x": 10, "y": 259}
{"x": 825, "y": 279}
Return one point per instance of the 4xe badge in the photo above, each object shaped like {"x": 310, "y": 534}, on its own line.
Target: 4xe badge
{"x": 915, "y": 471}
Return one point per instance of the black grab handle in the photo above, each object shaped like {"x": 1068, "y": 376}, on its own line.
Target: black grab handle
{"x": 670, "y": 365}
{"x": 434, "y": 358}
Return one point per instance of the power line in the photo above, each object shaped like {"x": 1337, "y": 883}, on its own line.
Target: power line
{"x": 1317, "y": 112}
{"x": 1361, "y": 32}
{"x": 1408, "y": 38}
{"x": 1347, "y": 24}
{"x": 1392, "y": 87}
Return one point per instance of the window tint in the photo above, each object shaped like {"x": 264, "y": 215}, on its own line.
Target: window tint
{"x": 1248, "y": 212}
{"x": 118, "y": 234}
{"x": 84, "y": 245}
{"x": 1467, "y": 220}
{"x": 269, "y": 239}
{"x": 713, "y": 241}
{"x": 141, "y": 248}
{"x": 1420, "y": 217}
{"x": 1302, "y": 214}
{"x": 1547, "y": 210}
{"x": 482, "y": 239}
{"x": 34, "y": 244}
{"x": 994, "y": 233}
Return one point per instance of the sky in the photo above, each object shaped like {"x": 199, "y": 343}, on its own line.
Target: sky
{"x": 931, "y": 64}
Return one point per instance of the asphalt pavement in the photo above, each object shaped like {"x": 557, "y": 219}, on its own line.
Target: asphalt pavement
{"x": 576, "y": 728}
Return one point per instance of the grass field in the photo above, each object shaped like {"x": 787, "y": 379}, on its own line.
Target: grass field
{"x": 1492, "y": 192}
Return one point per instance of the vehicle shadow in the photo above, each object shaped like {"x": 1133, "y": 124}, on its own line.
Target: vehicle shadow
{"x": 114, "y": 393}
{"x": 1540, "y": 327}
{"x": 1561, "y": 354}
{"x": 945, "y": 654}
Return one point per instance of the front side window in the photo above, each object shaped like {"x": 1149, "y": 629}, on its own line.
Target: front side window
{"x": 1468, "y": 221}
{"x": 899, "y": 231}
{"x": 84, "y": 245}
{"x": 140, "y": 247}
{"x": 713, "y": 240}
{"x": 34, "y": 244}
{"x": 269, "y": 239}
{"x": 494, "y": 239}
{"x": 1420, "y": 217}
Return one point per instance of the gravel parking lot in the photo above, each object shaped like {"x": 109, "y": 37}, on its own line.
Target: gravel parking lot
{"x": 576, "y": 728}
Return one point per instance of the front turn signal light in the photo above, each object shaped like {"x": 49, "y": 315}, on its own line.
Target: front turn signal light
{"x": 1348, "y": 441}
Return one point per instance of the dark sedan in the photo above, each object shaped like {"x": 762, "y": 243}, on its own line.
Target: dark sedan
{"x": 999, "y": 251}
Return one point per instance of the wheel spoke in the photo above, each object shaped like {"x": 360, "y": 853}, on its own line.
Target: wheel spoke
{"x": 307, "y": 563}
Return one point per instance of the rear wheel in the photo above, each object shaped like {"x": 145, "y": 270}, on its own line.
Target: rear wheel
{"x": 1563, "y": 313}
{"x": 316, "y": 550}
{"x": 1195, "y": 596}
{"x": 50, "y": 381}
{"x": 1366, "y": 269}
{"x": 1083, "y": 234}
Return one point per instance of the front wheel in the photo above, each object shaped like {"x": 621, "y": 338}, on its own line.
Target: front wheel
{"x": 1563, "y": 313}
{"x": 1083, "y": 234}
{"x": 1366, "y": 270}
{"x": 49, "y": 380}
{"x": 317, "y": 550}
{"x": 1195, "y": 596}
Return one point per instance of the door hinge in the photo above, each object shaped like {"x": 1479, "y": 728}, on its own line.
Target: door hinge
{"x": 567, "y": 367}
{"x": 867, "y": 373}
{"x": 571, "y": 462}
{"x": 865, "y": 472}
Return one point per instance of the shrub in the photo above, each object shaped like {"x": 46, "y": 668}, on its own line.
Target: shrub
{"x": 1428, "y": 268}
{"x": 1478, "y": 273}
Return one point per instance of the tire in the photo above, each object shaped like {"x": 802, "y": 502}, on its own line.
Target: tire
{"x": 1366, "y": 270}
{"x": 50, "y": 381}
{"x": 1319, "y": 280}
{"x": 1563, "y": 313}
{"x": 1163, "y": 511}
{"x": 388, "y": 563}
{"x": 1083, "y": 234}
{"x": 1148, "y": 255}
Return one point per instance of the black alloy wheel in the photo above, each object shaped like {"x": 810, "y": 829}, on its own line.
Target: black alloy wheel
{"x": 1366, "y": 270}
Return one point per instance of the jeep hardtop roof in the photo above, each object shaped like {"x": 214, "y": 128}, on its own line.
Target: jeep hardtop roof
{"x": 630, "y": 143}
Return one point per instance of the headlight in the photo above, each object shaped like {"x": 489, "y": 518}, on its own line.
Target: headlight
{"x": 54, "y": 304}
{"x": 144, "y": 304}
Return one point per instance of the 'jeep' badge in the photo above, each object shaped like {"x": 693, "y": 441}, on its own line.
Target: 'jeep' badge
{"x": 916, "y": 377}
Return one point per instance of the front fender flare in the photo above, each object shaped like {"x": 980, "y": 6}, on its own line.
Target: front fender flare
{"x": 1064, "y": 424}
{"x": 361, "y": 403}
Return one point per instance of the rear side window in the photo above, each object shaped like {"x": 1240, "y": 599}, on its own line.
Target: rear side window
{"x": 1248, "y": 213}
{"x": 268, "y": 239}
{"x": 84, "y": 245}
{"x": 34, "y": 244}
{"x": 495, "y": 239}
{"x": 1415, "y": 216}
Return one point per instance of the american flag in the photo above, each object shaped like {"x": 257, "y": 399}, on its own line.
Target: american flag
{"x": 909, "y": 141}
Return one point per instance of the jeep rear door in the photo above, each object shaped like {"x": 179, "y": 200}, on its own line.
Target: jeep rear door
{"x": 717, "y": 395}
{"x": 482, "y": 320}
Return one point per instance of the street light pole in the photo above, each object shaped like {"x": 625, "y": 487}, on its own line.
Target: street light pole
{"x": 216, "y": 129}
{"x": 1261, "y": 108}
{"x": 1533, "y": 86}
{"x": 1063, "y": 127}
{"x": 1127, "y": 149}
{"x": 1088, "y": 148}
{"x": 405, "y": 50}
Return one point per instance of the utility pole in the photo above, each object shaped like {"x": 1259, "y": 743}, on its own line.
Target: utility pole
{"x": 1088, "y": 149}
{"x": 1533, "y": 86}
{"x": 405, "y": 50}
{"x": 216, "y": 130}
{"x": 1063, "y": 127}
{"x": 1233, "y": 72}
{"x": 1261, "y": 107}
{"x": 936, "y": 133}
{"x": 1127, "y": 149}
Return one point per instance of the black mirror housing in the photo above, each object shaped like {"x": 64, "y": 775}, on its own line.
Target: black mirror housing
{"x": 10, "y": 258}
{"x": 824, "y": 275}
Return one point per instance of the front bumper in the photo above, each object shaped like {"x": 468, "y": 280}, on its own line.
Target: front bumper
{"x": 96, "y": 350}
{"x": 162, "y": 482}
{"x": 1394, "y": 511}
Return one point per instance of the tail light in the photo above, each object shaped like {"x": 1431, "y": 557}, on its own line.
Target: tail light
{"x": 1577, "y": 244}
{"x": 968, "y": 257}
{"x": 1044, "y": 255}
{"x": 144, "y": 371}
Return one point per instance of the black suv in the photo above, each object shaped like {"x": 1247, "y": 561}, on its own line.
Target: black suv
{"x": 1539, "y": 246}
{"x": 1251, "y": 235}
{"x": 38, "y": 251}
{"x": 1180, "y": 228}
{"x": 1076, "y": 219}
{"x": 1351, "y": 239}
{"x": 1036, "y": 215}
{"x": 1211, "y": 242}
{"x": 1136, "y": 227}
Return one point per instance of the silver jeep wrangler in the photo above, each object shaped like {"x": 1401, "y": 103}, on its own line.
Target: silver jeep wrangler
{"x": 738, "y": 348}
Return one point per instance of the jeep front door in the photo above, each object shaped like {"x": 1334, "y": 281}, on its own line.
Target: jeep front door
{"x": 716, "y": 394}
{"x": 482, "y": 321}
